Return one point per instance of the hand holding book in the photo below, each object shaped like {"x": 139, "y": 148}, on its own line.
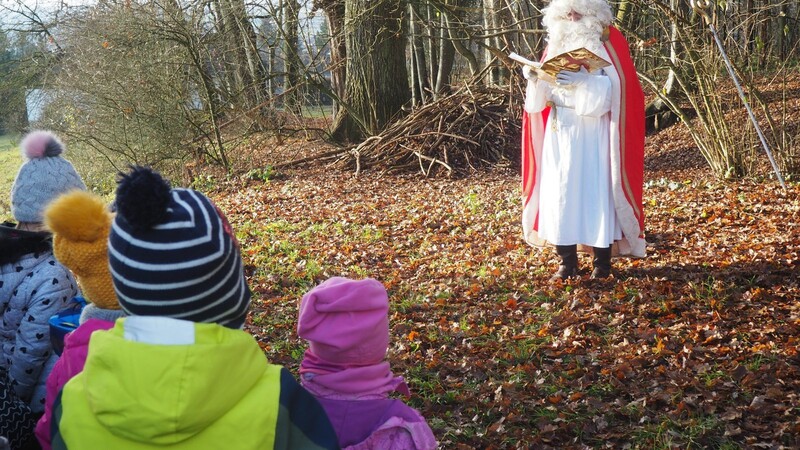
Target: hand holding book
{"x": 571, "y": 61}
{"x": 570, "y": 78}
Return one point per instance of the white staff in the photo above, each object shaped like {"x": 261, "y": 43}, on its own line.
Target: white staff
{"x": 702, "y": 7}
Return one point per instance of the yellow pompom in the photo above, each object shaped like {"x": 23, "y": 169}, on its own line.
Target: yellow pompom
{"x": 78, "y": 216}
{"x": 80, "y": 224}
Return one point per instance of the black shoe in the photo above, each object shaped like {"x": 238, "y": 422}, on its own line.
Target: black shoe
{"x": 564, "y": 272}
{"x": 569, "y": 262}
{"x": 601, "y": 263}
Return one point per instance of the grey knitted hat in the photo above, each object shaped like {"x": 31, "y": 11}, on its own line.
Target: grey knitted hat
{"x": 43, "y": 177}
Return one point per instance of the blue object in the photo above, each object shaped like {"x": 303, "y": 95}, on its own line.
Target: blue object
{"x": 64, "y": 322}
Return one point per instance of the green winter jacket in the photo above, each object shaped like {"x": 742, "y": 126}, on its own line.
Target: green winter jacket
{"x": 215, "y": 392}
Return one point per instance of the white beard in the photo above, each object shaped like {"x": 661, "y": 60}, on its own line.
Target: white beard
{"x": 565, "y": 35}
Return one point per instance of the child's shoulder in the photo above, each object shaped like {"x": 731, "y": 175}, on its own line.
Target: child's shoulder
{"x": 46, "y": 268}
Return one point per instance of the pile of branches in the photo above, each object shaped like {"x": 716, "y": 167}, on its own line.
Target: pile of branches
{"x": 472, "y": 127}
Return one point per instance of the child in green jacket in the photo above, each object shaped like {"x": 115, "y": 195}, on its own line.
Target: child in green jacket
{"x": 179, "y": 372}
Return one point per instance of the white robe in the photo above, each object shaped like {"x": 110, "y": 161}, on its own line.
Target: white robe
{"x": 576, "y": 204}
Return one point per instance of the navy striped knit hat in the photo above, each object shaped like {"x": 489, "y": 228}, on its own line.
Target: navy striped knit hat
{"x": 172, "y": 253}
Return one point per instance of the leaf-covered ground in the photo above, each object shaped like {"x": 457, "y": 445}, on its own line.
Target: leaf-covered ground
{"x": 694, "y": 346}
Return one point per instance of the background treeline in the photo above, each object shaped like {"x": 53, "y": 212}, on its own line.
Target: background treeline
{"x": 169, "y": 82}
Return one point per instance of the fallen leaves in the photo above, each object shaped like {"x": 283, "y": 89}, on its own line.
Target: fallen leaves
{"x": 694, "y": 346}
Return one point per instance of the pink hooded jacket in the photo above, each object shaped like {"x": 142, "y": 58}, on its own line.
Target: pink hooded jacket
{"x": 347, "y": 328}
{"x": 76, "y": 346}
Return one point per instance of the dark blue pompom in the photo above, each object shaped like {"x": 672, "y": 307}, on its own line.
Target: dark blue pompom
{"x": 54, "y": 147}
{"x": 142, "y": 198}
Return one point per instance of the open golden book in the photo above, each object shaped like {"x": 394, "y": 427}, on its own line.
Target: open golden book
{"x": 572, "y": 61}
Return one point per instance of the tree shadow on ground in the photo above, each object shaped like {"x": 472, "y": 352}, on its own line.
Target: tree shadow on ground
{"x": 746, "y": 275}
{"x": 677, "y": 159}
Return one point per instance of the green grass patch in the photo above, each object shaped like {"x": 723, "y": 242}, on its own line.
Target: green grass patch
{"x": 758, "y": 360}
{"x": 318, "y": 112}
{"x": 472, "y": 203}
{"x": 8, "y": 142}
{"x": 407, "y": 303}
{"x": 269, "y": 248}
{"x": 690, "y": 433}
{"x": 10, "y": 161}
{"x": 713, "y": 375}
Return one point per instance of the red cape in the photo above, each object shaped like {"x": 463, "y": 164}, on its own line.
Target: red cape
{"x": 627, "y": 146}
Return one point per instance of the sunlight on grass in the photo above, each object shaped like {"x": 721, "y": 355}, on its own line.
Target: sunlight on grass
{"x": 494, "y": 354}
{"x": 272, "y": 250}
{"x": 318, "y": 111}
{"x": 472, "y": 203}
{"x": 278, "y": 250}
{"x": 10, "y": 161}
{"x": 407, "y": 303}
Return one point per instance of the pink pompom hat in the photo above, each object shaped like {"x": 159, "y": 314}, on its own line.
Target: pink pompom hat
{"x": 43, "y": 176}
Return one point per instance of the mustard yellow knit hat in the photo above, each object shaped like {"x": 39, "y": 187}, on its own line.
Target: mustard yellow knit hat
{"x": 80, "y": 223}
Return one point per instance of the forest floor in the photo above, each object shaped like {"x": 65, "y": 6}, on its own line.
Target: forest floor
{"x": 694, "y": 346}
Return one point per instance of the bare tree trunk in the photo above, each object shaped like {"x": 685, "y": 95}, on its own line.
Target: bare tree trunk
{"x": 658, "y": 114}
{"x": 497, "y": 21}
{"x": 338, "y": 52}
{"x": 292, "y": 95}
{"x": 258, "y": 72}
{"x": 623, "y": 7}
{"x": 229, "y": 78}
{"x": 272, "y": 67}
{"x": 793, "y": 32}
{"x": 748, "y": 27}
{"x": 334, "y": 14}
{"x": 780, "y": 40}
{"x": 447, "y": 53}
{"x": 376, "y": 86}
{"x": 416, "y": 97}
{"x": 233, "y": 25}
{"x": 242, "y": 38}
{"x": 421, "y": 85}
{"x": 461, "y": 42}
{"x": 528, "y": 18}
{"x": 432, "y": 46}
{"x": 490, "y": 28}
{"x": 211, "y": 96}
{"x": 768, "y": 46}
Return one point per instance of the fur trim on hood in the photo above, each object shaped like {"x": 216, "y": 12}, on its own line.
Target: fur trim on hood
{"x": 16, "y": 243}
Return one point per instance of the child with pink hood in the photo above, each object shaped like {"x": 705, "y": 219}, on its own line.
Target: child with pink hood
{"x": 81, "y": 223}
{"x": 347, "y": 328}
